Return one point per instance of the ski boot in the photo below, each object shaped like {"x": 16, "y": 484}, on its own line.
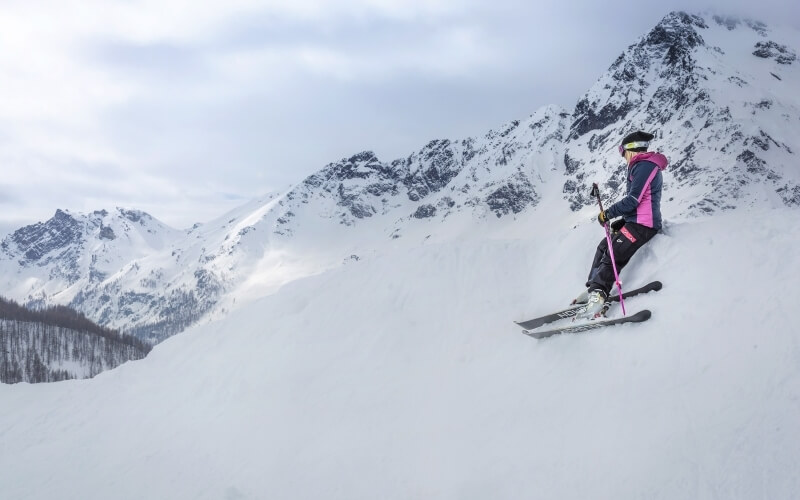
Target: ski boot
{"x": 583, "y": 298}
{"x": 596, "y": 305}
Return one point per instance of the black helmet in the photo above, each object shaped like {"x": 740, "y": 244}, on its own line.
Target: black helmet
{"x": 637, "y": 142}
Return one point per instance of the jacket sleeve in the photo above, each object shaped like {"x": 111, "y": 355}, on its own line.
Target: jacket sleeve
{"x": 628, "y": 205}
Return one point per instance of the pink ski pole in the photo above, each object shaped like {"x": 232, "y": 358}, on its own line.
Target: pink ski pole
{"x": 596, "y": 192}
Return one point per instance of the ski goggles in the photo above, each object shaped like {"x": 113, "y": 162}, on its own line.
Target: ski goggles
{"x": 632, "y": 145}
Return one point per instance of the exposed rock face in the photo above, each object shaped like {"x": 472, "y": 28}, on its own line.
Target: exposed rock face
{"x": 771, "y": 50}
{"x": 683, "y": 81}
{"x": 71, "y": 258}
{"x": 499, "y": 172}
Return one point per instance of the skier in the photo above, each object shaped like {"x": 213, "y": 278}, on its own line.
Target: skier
{"x": 640, "y": 213}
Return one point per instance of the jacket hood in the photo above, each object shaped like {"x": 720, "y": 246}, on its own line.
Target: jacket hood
{"x": 657, "y": 158}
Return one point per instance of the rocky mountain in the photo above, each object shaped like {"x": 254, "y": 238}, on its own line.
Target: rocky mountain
{"x": 156, "y": 286}
{"x": 53, "y": 261}
{"x": 500, "y": 173}
{"x": 124, "y": 269}
{"x": 719, "y": 93}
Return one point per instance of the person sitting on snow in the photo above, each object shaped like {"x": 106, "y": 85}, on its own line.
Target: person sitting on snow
{"x": 640, "y": 212}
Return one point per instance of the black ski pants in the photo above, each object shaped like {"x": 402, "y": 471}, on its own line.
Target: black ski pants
{"x": 625, "y": 242}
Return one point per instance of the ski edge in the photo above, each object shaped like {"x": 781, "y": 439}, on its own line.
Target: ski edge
{"x": 639, "y": 317}
{"x": 550, "y": 318}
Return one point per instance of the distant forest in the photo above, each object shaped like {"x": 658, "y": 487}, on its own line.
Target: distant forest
{"x": 58, "y": 343}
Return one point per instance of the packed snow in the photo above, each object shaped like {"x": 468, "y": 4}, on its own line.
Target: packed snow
{"x": 402, "y": 375}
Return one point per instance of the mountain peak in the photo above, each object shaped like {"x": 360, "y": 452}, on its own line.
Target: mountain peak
{"x": 62, "y": 214}
{"x": 363, "y": 157}
{"x": 677, "y": 33}
{"x": 35, "y": 241}
{"x": 134, "y": 215}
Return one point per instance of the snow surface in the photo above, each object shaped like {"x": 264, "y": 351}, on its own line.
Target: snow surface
{"x": 402, "y": 375}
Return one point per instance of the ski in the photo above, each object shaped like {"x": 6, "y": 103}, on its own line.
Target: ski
{"x": 577, "y": 308}
{"x": 639, "y": 317}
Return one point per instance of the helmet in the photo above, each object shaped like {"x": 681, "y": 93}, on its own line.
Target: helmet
{"x": 637, "y": 141}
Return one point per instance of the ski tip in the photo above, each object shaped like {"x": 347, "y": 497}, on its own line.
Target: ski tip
{"x": 657, "y": 285}
{"x": 534, "y": 334}
{"x": 642, "y": 315}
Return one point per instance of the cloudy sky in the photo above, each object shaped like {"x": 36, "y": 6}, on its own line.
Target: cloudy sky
{"x": 186, "y": 108}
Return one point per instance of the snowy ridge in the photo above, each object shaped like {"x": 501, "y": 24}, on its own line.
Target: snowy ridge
{"x": 499, "y": 173}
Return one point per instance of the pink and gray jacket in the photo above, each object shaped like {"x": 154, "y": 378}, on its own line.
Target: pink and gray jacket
{"x": 643, "y": 201}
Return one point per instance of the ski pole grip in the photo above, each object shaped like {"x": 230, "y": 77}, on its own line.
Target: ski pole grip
{"x": 596, "y": 193}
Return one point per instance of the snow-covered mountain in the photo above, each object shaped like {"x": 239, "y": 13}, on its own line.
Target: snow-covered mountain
{"x": 719, "y": 94}
{"x": 500, "y": 173}
{"x": 70, "y": 248}
{"x": 158, "y": 285}
{"x": 127, "y": 269}
{"x": 74, "y": 256}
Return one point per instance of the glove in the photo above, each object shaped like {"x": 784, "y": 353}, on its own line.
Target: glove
{"x": 601, "y": 218}
{"x": 617, "y": 225}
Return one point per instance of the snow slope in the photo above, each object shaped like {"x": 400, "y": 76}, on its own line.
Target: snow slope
{"x": 402, "y": 376}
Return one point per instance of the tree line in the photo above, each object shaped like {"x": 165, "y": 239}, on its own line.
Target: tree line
{"x": 69, "y": 318}
{"x": 58, "y": 343}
